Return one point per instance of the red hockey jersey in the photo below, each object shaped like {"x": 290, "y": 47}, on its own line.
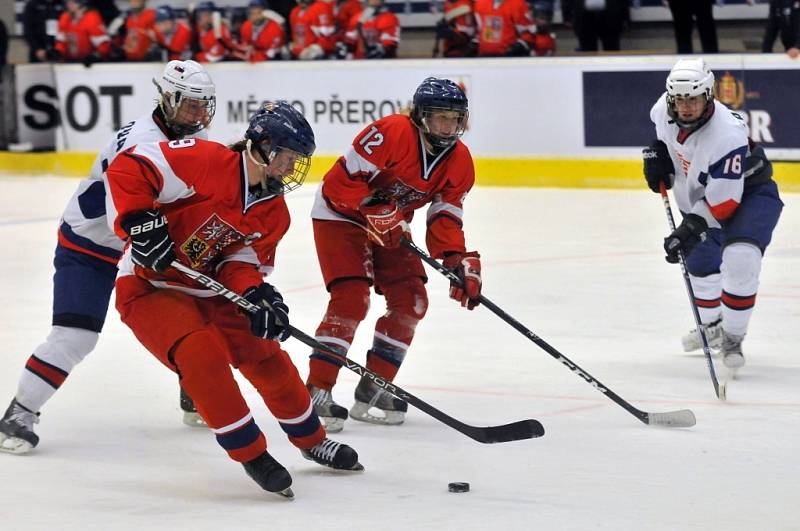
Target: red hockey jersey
{"x": 78, "y": 38}
{"x": 218, "y": 227}
{"x": 177, "y": 42}
{"x": 313, "y": 24}
{"x": 388, "y": 157}
{"x": 139, "y": 34}
{"x": 264, "y": 40}
{"x": 214, "y": 48}
{"x": 501, "y": 23}
{"x": 372, "y": 27}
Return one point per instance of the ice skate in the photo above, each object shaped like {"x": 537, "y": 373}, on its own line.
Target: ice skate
{"x": 732, "y": 356}
{"x": 692, "y": 341}
{"x": 16, "y": 429}
{"x": 270, "y": 475}
{"x": 329, "y": 412}
{"x": 190, "y": 415}
{"x": 334, "y": 455}
{"x": 376, "y": 405}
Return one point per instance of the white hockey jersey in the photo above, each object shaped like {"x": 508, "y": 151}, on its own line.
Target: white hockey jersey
{"x": 709, "y": 162}
{"x": 84, "y": 227}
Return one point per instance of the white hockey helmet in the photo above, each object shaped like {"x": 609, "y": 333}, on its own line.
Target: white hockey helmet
{"x": 188, "y": 96}
{"x": 689, "y": 78}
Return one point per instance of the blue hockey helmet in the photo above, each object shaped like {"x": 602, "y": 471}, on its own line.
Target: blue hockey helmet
{"x": 205, "y": 6}
{"x": 277, "y": 126}
{"x": 164, "y": 12}
{"x": 435, "y": 95}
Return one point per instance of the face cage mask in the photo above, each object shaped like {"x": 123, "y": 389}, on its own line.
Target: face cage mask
{"x": 440, "y": 142}
{"x": 170, "y": 105}
{"x": 286, "y": 183}
{"x": 672, "y": 111}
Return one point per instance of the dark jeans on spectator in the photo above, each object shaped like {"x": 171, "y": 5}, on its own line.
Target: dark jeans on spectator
{"x": 684, "y": 14}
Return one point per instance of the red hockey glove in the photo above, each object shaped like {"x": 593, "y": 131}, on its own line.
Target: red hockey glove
{"x": 468, "y": 268}
{"x": 385, "y": 222}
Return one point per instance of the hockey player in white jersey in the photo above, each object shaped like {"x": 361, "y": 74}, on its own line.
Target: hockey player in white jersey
{"x": 730, "y": 205}
{"x": 87, "y": 253}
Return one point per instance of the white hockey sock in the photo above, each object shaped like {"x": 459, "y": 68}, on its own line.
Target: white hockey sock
{"x": 741, "y": 265}
{"x": 51, "y": 363}
{"x": 706, "y": 296}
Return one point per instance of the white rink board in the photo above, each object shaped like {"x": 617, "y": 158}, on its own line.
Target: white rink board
{"x": 518, "y": 107}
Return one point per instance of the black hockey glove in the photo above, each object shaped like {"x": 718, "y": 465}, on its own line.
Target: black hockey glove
{"x": 151, "y": 244}
{"x": 658, "y": 166}
{"x": 519, "y": 49}
{"x": 376, "y": 51}
{"x": 689, "y": 233}
{"x": 272, "y": 320}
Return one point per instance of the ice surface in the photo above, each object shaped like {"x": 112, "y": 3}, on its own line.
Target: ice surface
{"x": 582, "y": 269}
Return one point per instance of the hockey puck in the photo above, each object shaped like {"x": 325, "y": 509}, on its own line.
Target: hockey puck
{"x": 458, "y": 486}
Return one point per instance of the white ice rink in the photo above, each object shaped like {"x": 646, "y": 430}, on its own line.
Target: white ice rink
{"x": 582, "y": 269}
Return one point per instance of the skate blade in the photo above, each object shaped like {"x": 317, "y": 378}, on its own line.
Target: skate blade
{"x": 194, "y": 420}
{"x": 361, "y": 411}
{"x": 332, "y": 424}
{"x": 286, "y": 493}
{"x": 14, "y": 445}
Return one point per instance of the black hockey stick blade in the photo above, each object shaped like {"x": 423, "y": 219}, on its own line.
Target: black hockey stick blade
{"x": 516, "y": 431}
{"x": 674, "y": 419}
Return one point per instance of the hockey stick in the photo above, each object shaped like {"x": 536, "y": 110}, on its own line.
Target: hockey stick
{"x": 683, "y": 418}
{"x": 721, "y": 390}
{"x": 515, "y": 431}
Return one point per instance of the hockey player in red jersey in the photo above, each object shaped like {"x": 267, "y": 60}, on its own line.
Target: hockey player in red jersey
{"x": 81, "y": 34}
{"x": 374, "y": 33}
{"x": 220, "y": 210}
{"x": 174, "y": 38}
{"x": 263, "y": 33}
{"x": 213, "y": 36}
{"x": 139, "y": 31}
{"x": 505, "y": 28}
{"x": 313, "y": 29}
{"x": 395, "y": 166}
{"x": 88, "y": 251}
{"x": 455, "y": 32}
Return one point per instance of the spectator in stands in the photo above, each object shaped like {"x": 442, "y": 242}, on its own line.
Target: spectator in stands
{"x": 374, "y": 33}
{"x": 684, "y": 12}
{"x": 263, "y": 33}
{"x": 107, "y": 8}
{"x": 784, "y": 20}
{"x": 545, "y": 40}
{"x": 37, "y": 17}
{"x": 81, "y": 34}
{"x": 213, "y": 36}
{"x": 343, "y": 13}
{"x": 173, "y": 37}
{"x": 597, "y": 20}
{"x": 456, "y": 31}
{"x": 505, "y": 28}
{"x": 139, "y": 35}
{"x": 313, "y": 29}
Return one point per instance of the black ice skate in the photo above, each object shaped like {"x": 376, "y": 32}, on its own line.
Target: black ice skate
{"x": 692, "y": 341}
{"x": 190, "y": 415}
{"x": 16, "y": 429}
{"x": 732, "y": 356}
{"x": 376, "y": 405}
{"x": 270, "y": 475}
{"x": 334, "y": 455}
{"x": 329, "y": 412}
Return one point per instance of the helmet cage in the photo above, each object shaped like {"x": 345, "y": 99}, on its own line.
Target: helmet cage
{"x": 422, "y": 117}
{"x": 187, "y": 97}
{"x": 690, "y": 78}
{"x": 287, "y": 182}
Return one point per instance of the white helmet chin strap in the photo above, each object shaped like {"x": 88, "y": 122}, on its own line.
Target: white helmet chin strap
{"x": 262, "y": 165}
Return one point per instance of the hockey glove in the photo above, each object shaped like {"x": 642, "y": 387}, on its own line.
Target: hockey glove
{"x": 376, "y": 51}
{"x": 467, "y": 267}
{"x": 689, "y": 233}
{"x": 151, "y": 244}
{"x": 519, "y": 49}
{"x": 272, "y": 319}
{"x": 658, "y": 166}
{"x": 386, "y": 224}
